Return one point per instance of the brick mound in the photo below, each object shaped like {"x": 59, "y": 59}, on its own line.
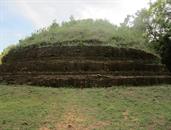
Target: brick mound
{"x": 82, "y": 66}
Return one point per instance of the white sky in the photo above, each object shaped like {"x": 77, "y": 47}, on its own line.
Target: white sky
{"x": 43, "y": 12}
{"x": 19, "y": 18}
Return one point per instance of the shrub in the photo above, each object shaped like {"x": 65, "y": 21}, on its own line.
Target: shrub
{"x": 5, "y": 52}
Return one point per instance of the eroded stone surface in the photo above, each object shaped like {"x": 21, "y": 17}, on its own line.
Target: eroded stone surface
{"x": 86, "y": 66}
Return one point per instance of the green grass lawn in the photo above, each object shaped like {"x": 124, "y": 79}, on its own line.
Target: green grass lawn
{"x": 115, "y": 108}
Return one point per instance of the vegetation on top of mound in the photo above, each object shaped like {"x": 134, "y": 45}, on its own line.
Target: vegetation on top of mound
{"x": 83, "y": 32}
{"x": 87, "y": 29}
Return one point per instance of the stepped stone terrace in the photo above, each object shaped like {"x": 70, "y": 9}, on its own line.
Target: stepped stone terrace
{"x": 82, "y": 66}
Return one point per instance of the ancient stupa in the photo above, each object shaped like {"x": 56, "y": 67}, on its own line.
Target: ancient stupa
{"x": 82, "y": 66}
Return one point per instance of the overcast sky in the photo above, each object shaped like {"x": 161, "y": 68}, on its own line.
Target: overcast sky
{"x": 19, "y": 18}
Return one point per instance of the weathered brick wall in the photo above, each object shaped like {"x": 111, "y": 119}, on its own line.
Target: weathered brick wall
{"x": 85, "y": 52}
{"x": 82, "y": 66}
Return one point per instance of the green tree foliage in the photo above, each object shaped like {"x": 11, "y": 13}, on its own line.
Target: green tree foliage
{"x": 159, "y": 22}
{"x": 154, "y": 25}
{"x": 159, "y": 30}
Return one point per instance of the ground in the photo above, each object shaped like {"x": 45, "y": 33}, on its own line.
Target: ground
{"x": 115, "y": 108}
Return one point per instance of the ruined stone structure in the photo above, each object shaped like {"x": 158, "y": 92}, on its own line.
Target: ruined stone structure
{"x": 82, "y": 66}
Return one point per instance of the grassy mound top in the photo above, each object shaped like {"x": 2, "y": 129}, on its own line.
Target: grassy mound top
{"x": 79, "y": 30}
{"x": 83, "y": 32}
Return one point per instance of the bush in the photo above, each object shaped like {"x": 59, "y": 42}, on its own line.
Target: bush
{"x": 5, "y": 52}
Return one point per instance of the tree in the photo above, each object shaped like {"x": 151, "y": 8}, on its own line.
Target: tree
{"x": 159, "y": 20}
{"x": 154, "y": 24}
{"x": 159, "y": 29}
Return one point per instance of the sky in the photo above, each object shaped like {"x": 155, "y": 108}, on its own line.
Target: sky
{"x": 19, "y": 18}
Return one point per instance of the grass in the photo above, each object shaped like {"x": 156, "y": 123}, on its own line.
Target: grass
{"x": 76, "y": 32}
{"x": 119, "y": 108}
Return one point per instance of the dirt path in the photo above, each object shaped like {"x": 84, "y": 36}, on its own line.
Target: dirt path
{"x": 72, "y": 120}
{"x": 75, "y": 118}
